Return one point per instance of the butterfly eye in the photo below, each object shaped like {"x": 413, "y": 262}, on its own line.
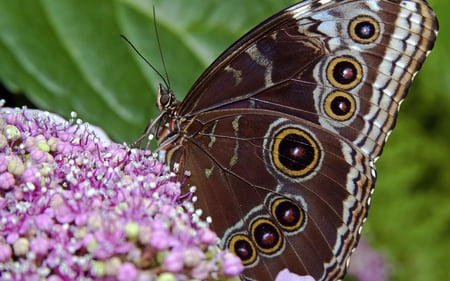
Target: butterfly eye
{"x": 288, "y": 214}
{"x": 344, "y": 72}
{"x": 266, "y": 235}
{"x": 364, "y": 29}
{"x": 295, "y": 152}
{"x": 166, "y": 98}
{"x": 340, "y": 105}
{"x": 242, "y": 247}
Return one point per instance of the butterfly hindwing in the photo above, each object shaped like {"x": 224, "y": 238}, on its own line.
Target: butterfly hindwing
{"x": 324, "y": 196}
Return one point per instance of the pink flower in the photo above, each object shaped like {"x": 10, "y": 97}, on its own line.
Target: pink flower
{"x": 232, "y": 265}
{"x": 76, "y": 206}
{"x": 5, "y": 252}
{"x": 174, "y": 261}
{"x": 7, "y": 181}
{"x": 40, "y": 246}
{"x": 285, "y": 275}
{"x": 367, "y": 265}
{"x": 127, "y": 272}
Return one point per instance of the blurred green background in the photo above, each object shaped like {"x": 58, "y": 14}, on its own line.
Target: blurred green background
{"x": 67, "y": 55}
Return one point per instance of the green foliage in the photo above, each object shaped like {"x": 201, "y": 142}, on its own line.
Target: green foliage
{"x": 68, "y": 56}
{"x": 410, "y": 215}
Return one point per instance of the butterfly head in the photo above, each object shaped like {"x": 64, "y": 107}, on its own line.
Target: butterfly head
{"x": 166, "y": 100}
{"x": 164, "y": 125}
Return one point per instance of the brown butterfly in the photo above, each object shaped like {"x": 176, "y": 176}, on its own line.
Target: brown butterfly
{"x": 280, "y": 134}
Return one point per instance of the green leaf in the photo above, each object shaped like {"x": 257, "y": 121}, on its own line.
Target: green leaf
{"x": 67, "y": 55}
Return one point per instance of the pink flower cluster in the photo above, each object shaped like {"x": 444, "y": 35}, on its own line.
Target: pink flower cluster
{"x": 75, "y": 207}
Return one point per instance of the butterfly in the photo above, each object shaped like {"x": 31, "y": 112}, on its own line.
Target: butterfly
{"x": 281, "y": 132}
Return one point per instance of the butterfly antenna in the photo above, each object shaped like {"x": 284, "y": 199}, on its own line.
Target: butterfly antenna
{"x": 160, "y": 50}
{"x": 146, "y": 61}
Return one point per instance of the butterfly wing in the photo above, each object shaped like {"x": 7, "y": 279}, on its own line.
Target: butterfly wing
{"x": 274, "y": 214}
{"x": 345, "y": 65}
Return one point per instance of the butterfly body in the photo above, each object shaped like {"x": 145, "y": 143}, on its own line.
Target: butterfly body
{"x": 281, "y": 132}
